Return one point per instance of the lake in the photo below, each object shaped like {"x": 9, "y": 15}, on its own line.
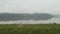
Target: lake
{"x": 53, "y": 20}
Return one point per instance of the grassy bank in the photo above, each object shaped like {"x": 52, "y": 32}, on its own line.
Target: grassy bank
{"x": 30, "y": 29}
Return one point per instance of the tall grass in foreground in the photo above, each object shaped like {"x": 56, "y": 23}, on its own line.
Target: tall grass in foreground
{"x": 30, "y": 29}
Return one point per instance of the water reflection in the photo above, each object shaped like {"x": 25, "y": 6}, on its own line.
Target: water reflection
{"x": 57, "y": 20}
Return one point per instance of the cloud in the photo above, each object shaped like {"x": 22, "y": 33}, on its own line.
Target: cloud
{"x": 29, "y": 6}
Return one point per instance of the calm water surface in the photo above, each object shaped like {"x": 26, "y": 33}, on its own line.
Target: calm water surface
{"x": 56, "y": 20}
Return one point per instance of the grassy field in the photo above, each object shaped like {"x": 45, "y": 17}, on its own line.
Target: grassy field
{"x": 30, "y": 29}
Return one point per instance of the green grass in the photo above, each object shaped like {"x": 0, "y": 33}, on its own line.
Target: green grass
{"x": 30, "y": 29}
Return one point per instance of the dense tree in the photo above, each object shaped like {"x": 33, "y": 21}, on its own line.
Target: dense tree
{"x": 24, "y": 16}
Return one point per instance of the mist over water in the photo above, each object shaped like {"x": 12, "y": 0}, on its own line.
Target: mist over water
{"x": 29, "y": 6}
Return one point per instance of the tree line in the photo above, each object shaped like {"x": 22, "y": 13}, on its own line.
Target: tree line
{"x": 24, "y": 16}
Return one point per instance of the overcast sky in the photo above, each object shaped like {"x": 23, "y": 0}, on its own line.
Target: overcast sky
{"x": 30, "y": 6}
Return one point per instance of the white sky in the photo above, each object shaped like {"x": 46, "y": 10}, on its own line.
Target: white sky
{"x": 29, "y": 6}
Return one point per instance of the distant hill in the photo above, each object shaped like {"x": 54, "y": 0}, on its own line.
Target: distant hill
{"x": 24, "y": 16}
{"x": 42, "y": 16}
